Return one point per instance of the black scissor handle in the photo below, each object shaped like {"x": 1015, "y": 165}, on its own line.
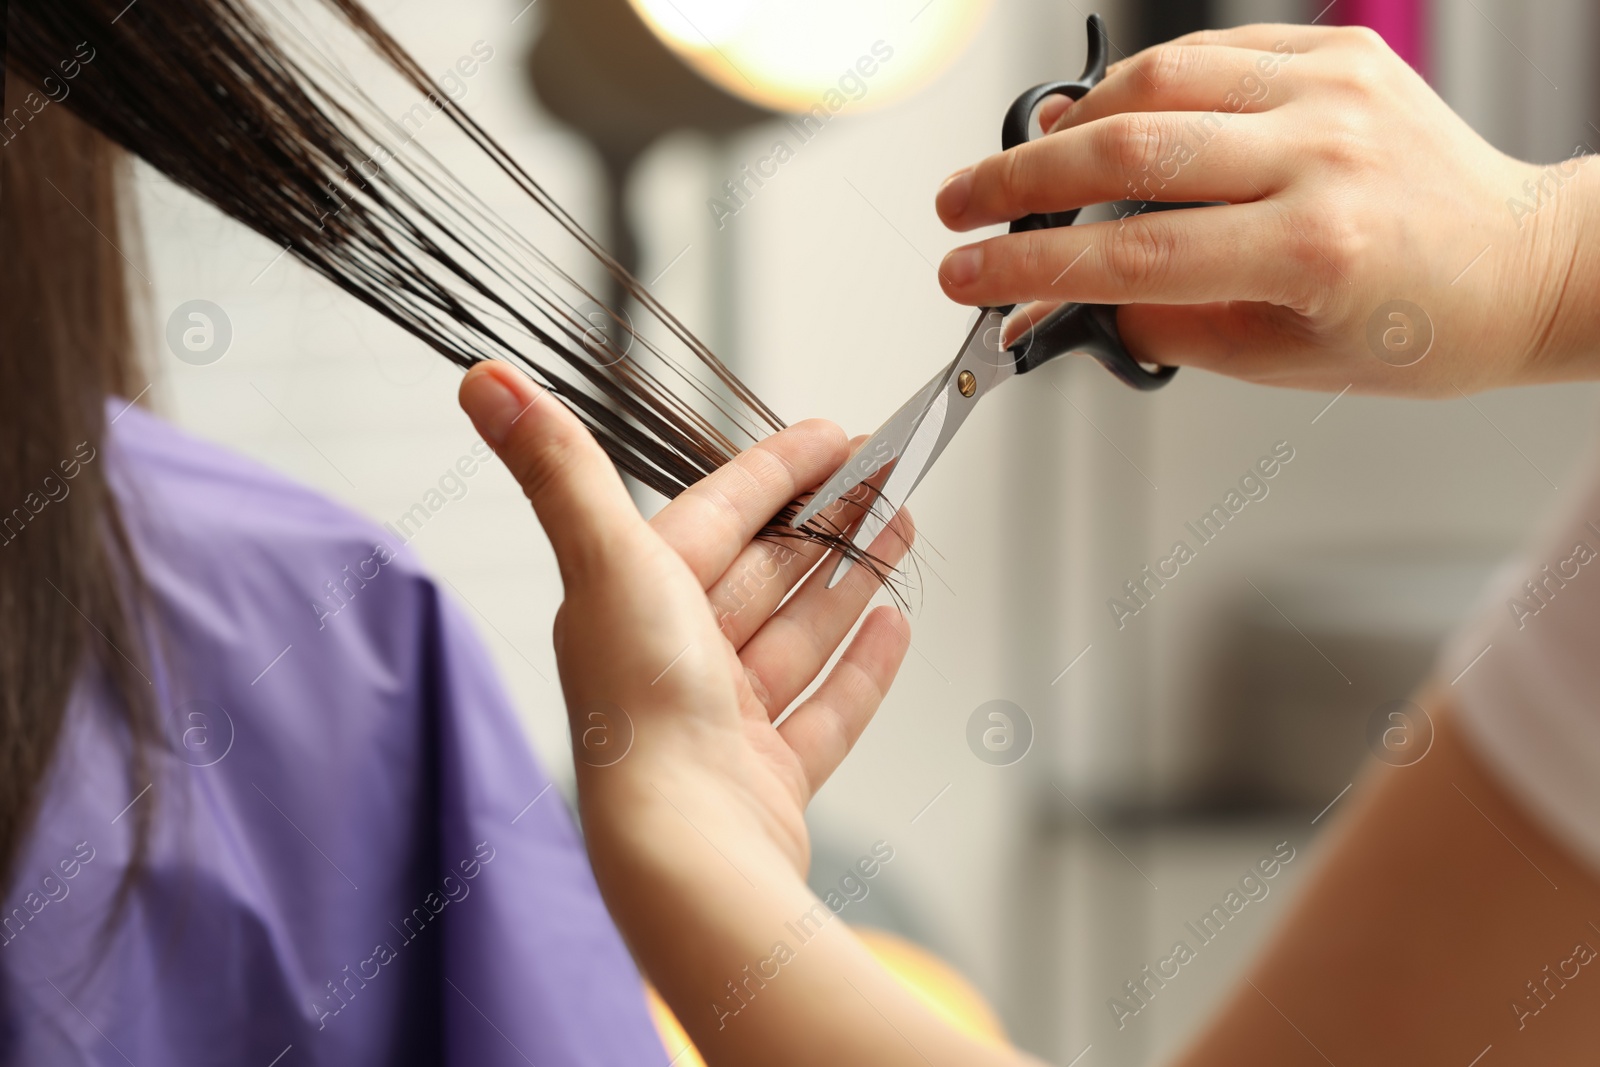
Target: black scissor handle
{"x": 1092, "y": 330}
{"x": 1088, "y": 328}
{"x": 1018, "y": 125}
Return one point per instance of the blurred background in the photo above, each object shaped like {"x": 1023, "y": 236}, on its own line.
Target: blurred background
{"x": 1136, "y": 772}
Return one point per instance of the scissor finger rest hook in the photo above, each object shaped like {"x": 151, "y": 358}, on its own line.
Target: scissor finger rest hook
{"x": 1088, "y": 328}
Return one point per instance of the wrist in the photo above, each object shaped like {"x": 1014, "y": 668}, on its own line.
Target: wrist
{"x": 1567, "y": 346}
{"x": 698, "y": 893}
{"x": 673, "y": 837}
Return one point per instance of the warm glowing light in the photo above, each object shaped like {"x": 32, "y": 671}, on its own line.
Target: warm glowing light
{"x": 938, "y": 984}
{"x": 791, "y": 56}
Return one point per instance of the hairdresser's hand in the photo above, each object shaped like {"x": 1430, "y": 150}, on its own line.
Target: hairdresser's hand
{"x": 1349, "y": 187}
{"x": 674, "y": 652}
{"x": 692, "y": 800}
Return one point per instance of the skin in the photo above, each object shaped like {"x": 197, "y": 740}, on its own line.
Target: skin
{"x": 1437, "y": 900}
{"x": 1348, "y": 184}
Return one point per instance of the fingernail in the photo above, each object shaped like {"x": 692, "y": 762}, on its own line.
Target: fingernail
{"x": 492, "y": 406}
{"x": 954, "y": 194}
{"x": 961, "y": 267}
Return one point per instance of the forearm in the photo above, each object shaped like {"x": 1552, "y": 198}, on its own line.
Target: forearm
{"x": 755, "y": 967}
{"x": 1437, "y": 901}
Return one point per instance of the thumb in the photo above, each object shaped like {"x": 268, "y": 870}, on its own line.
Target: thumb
{"x": 576, "y": 492}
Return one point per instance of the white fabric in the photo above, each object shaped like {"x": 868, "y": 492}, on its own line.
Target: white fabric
{"x": 1531, "y": 705}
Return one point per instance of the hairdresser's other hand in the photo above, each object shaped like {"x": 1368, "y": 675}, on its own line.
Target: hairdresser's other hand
{"x": 675, "y": 654}
{"x": 1364, "y": 226}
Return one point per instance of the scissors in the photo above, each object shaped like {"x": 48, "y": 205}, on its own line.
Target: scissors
{"x": 916, "y": 435}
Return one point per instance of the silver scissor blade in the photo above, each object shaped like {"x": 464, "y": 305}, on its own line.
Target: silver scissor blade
{"x": 875, "y": 453}
{"x": 987, "y": 364}
{"x": 920, "y": 453}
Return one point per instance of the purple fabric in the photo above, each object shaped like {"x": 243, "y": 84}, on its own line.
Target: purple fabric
{"x": 345, "y": 868}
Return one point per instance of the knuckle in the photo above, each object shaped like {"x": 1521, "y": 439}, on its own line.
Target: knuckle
{"x": 1165, "y": 67}
{"x": 1014, "y": 173}
{"x": 810, "y": 451}
{"x": 1363, "y": 76}
{"x": 828, "y": 726}
{"x": 859, "y": 687}
{"x": 764, "y": 468}
{"x": 720, "y": 508}
{"x": 1137, "y": 257}
{"x": 1363, "y": 62}
{"x": 1345, "y": 147}
{"x": 759, "y": 689}
{"x": 1030, "y": 268}
{"x": 543, "y": 465}
{"x": 1203, "y": 37}
{"x": 1132, "y": 143}
{"x": 1363, "y": 38}
{"x": 822, "y": 430}
{"x": 1328, "y": 246}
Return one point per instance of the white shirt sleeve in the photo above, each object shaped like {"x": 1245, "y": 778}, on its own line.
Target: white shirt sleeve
{"x": 1526, "y": 670}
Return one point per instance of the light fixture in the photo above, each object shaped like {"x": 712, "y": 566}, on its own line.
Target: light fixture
{"x": 789, "y": 56}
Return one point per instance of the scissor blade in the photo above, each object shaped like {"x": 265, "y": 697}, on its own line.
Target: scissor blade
{"x": 920, "y": 453}
{"x": 988, "y": 365}
{"x": 875, "y": 453}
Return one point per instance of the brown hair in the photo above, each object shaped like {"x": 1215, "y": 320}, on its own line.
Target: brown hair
{"x": 68, "y": 581}
{"x": 249, "y": 112}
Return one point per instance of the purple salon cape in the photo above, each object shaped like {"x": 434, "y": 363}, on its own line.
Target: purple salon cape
{"x": 354, "y": 857}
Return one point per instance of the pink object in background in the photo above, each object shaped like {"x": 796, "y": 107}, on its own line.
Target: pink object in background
{"x": 1402, "y": 23}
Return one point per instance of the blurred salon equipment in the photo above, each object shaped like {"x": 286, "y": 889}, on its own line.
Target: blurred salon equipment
{"x": 602, "y": 70}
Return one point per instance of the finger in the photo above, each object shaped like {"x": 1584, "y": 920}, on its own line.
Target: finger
{"x": 1175, "y": 77}
{"x": 1259, "y": 343}
{"x": 745, "y": 596}
{"x": 824, "y": 729}
{"x": 1052, "y": 110}
{"x": 797, "y": 640}
{"x": 1282, "y": 39}
{"x": 1024, "y": 319}
{"x": 1170, "y": 155}
{"x": 712, "y": 521}
{"x": 575, "y": 490}
{"x": 1252, "y": 342}
{"x": 764, "y": 572}
{"x": 1188, "y": 256}
{"x": 1262, "y": 36}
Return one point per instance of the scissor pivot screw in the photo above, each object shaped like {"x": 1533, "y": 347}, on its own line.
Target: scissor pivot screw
{"x": 966, "y": 383}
